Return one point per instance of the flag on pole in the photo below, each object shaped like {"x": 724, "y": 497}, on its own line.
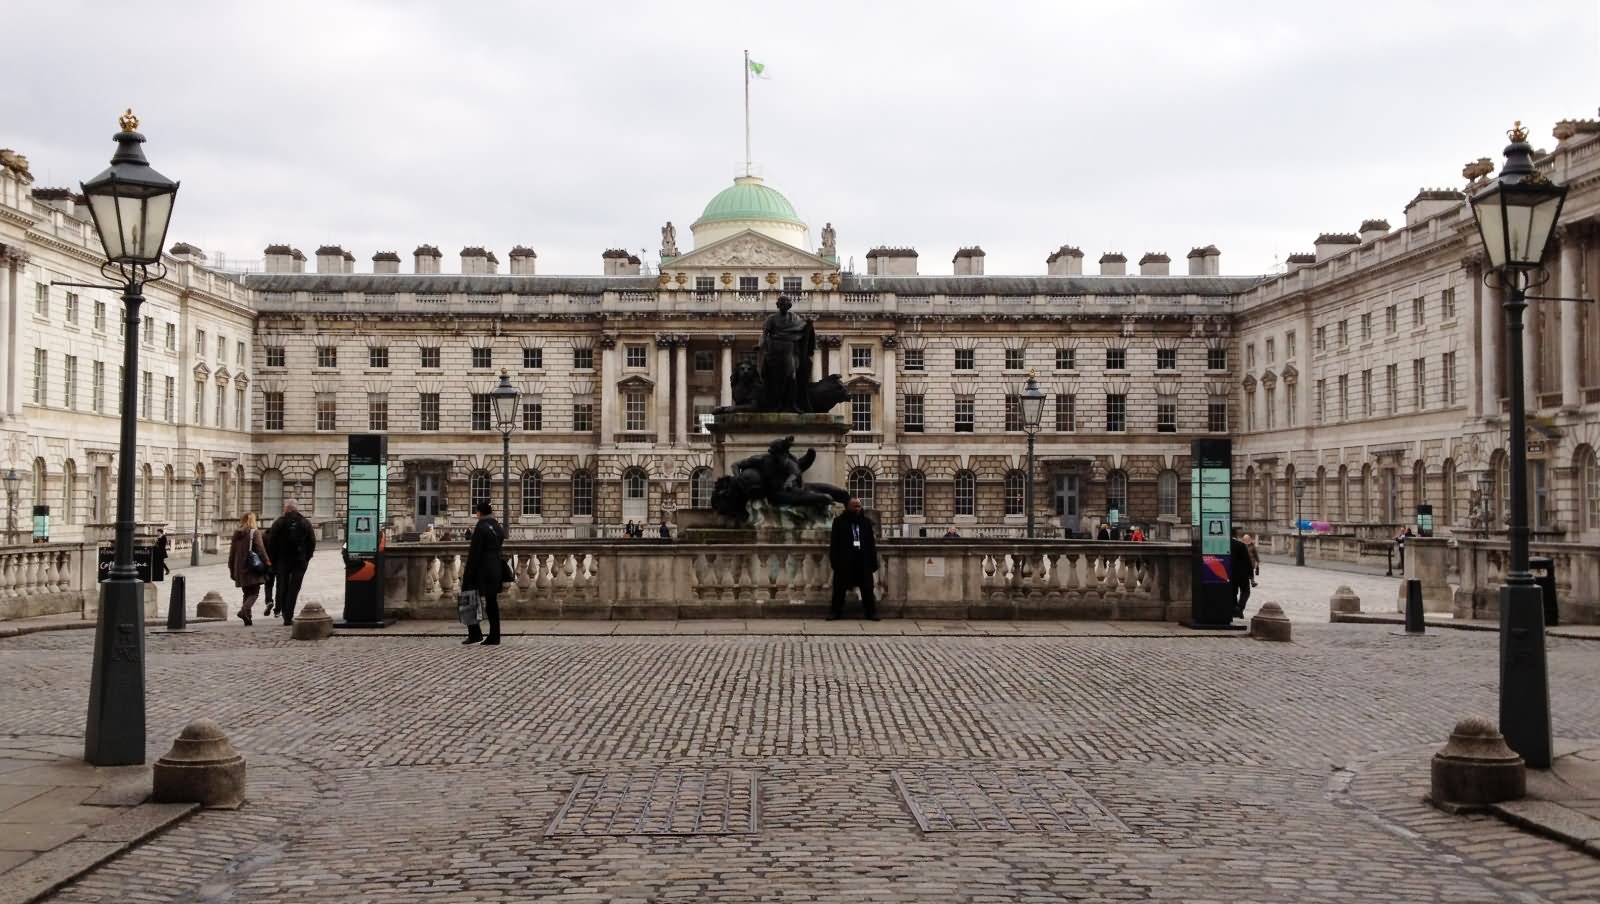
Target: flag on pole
{"x": 758, "y": 70}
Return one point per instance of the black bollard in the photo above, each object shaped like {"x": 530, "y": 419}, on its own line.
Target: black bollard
{"x": 1388, "y": 570}
{"x": 177, "y": 616}
{"x": 1414, "y": 622}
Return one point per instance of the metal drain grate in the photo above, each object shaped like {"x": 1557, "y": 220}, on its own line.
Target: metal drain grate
{"x": 997, "y": 800}
{"x": 661, "y": 802}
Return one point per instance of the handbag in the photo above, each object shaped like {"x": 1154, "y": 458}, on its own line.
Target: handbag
{"x": 253, "y": 560}
{"x": 506, "y": 577}
{"x": 469, "y": 607}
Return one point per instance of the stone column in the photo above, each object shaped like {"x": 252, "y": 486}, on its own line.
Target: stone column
{"x": 1571, "y": 317}
{"x": 608, "y": 389}
{"x": 826, "y": 344}
{"x": 1489, "y": 339}
{"x": 9, "y": 312}
{"x": 725, "y": 374}
{"x": 663, "y": 399}
{"x": 1532, "y": 339}
{"x": 890, "y": 343}
{"x": 680, "y": 387}
{"x": 6, "y": 332}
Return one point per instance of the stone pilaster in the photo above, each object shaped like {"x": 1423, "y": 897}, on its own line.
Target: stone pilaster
{"x": 890, "y": 343}
{"x": 663, "y": 396}
{"x": 725, "y": 374}
{"x": 608, "y": 390}
{"x": 680, "y": 388}
{"x": 1572, "y": 240}
{"x": 1489, "y": 342}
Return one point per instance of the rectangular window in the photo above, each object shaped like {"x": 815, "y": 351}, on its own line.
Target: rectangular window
{"x": 222, "y": 349}
{"x": 199, "y": 339}
{"x": 1344, "y": 397}
{"x": 100, "y": 317}
{"x": 1066, "y": 358}
{"x": 72, "y": 308}
{"x": 172, "y": 337}
{"x": 533, "y": 359}
{"x": 1391, "y": 319}
{"x": 1319, "y": 339}
{"x": 147, "y": 333}
{"x": 583, "y": 359}
{"x": 220, "y": 409}
{"x": 861, "y": 412}
{"x": 238, "y": 353}
{"x": 1271, "y": 396}
{"x": 1217, "y": 414}
{"x": 860, "y": 357}
{"x": 1016, "y": 359}
{"x": 482, "y": 358}
{"x": 1448, "y": 373}
{"x": 1272, "y": 351}
{"x": 1166, "y": 413}
{"x": 1447, "y": 304}
{"x": 1366, "y": 393}
{"x": 1116, "y": 412}
{"x": 1116, "y": 359}
{"x": 965, "y": 493}
{"x": 327, "y": 356}
{"x": 430, "y": 357}
{"x": 582, "y": 417}
{"x": 914, "y": 414}
{"x": 378, "y": 357}
{"x": 97, "y": 392}
{"x": 1419, "y": 311}
{"x": 1394, "y": 389}
{"x": 1013, "y": 413}
{"x": 912, "y": 359}
{"x": 1166, "y": 359}
{"x": 70, "y": 378}
{"x": 1291, "y": 404}
{"x": 1288, "y": 345}
{"x": 1250, "y": 356}
{"x": 1319, "y": 402}
{"x": 705, "y": 361}
{"x": 273, "y": 412}
{"x": 428, "y": 410}
{"x": 41, "y": 300}
{"x": 965, "y": 359}
{"x": 792, "y": 285}
{"x": 275, "y": 356}
{"x": 482, "y": 412}
{"x": 199, "y": 403}
{"x": 1419, "y": 376}
{"x": 633, "y": 406}
{"x": 532, "y": 416}
{"x": 912, "y": 494}
{"x": 749, "y": 284}
{"x": 327, "y": 412}
{"x": 964, "y": 414}
{"x": 1344, "y": 333}
{"x": 1366, "y": 326}
{"x": 1216, "y": 359}
{"x": 238, "y": 408}
{"x": 634, "y": 356}
{"x": 377, "y": 411}
{"x": 705, "y": 284}
{"x": 1066, "y": 413}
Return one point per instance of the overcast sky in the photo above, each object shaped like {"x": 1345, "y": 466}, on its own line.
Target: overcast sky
{"x": 572, "y": 127}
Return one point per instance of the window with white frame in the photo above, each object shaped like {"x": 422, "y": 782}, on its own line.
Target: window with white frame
{"x": 1117, "y": 492}
{"x": 700, "y": 485}
{"x": 272, "y": 410}
{"x": 378, "y": 357}
{"x": 635, "y": 356}
{"x": 633, "y": 411}
{"x": 40, "y": 368}
{"x": 966, "y": 359}
{"x": 533, "y": 416}
{"x": 327, "y": 356}
{"x": 583, "y": 359}
{"x": 966, "y": 492}
{"x": 482, "y": 357}
{"x": 1166, "y": 413}
{"x": 1116, "y": 412}
{"x": 478, "y": 489}
{"x": 1116, "y": 359}
{"x": 72, "y": 308}
{"x": 1016, "y": 359}
{"x": 199, "y": 403}
{"x": 1166, "y": 359}
{"x": 913, "y": 421}
{"x": 1066, "y": 358}
{"x": 428, "y": 411}
{"x": 377, "y": 411}
{"x": 792, "y": 285}
{"x": 749, "y": 284}
{"x": 1448, "y": 375}
{"x": 861, "y": 412}
{"x": 582, "y": 493}
{"x": 532, "y": 492}
{"x": 1066, "y": 412}
{"x": 1013, "y": 412}
{"x": 582, "y": 417}
{"x": 1167, "y": 493}
{"x": 964, "y": 409}
{"x": 860, "y": 485}
{"x": 220, "y": 408}
{"x": 911, "y": 493}
{"x": 429, "y": 357}
{"x": 482, "y": 411}
{"x": 1016, "y": 492}
{"x": 911, "y": 359}
{"x": 532, "y": 359}
{"x": 1217, "y": 413}
{"x": 1216, "y": 359}
{"x": 97, "y": 390}
{"x": 327, "y": 411}
{"x": 100, "y": 318}
{"x": 70, "y": 380}
{"x": 860, "y": 357}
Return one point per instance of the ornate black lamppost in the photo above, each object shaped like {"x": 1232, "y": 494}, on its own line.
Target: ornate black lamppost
{"x": 131, "y": 205}
{"x": 199, "y": 487}
{"x": 13, "y": 481}
{"x": 505, "y": 415}
{"x": 1299, "y": 534}
{"x": 1516, "y": 215}
{"x": 1032, "y": 404}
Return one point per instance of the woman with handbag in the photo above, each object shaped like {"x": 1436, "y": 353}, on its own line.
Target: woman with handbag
{"x": 484, "y": 573}
{"x": 248, "y": 563}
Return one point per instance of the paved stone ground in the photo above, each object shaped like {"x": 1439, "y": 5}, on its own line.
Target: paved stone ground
{"x": 1044, "y": 768}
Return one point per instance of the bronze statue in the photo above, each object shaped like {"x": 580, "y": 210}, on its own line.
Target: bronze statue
{"x": 775, "y": 477}
{"x": 788, "y": 342}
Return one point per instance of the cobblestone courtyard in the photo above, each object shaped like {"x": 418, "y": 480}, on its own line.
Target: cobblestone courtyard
{"x": 799, "y": 768}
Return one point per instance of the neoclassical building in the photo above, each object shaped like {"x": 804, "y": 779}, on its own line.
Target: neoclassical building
{"x": 1368, "y": 371}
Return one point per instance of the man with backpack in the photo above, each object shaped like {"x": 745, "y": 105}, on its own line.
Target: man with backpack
{"x": 290, "y": 543}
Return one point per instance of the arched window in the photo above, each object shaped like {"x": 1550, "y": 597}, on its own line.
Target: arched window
{"x": 635, "y": 494}
{"x": 1419, "y": 484}
{"x": 700, "y": 484}
{"x": 39, "y": 485}
{"x": 582, "y": 493}
{"x": 912, "y": 492}
{"x": 1016, "y": 488}
{"x": 1117, "y": 494}
{"x": 69, "y": 484}
{"x": 1321, "y": 512}
{"x": 322, "y": 487}
{"x": 477, "y": 489}
{"x": 1589, "y": 487}
{"x": 271, "y": 494}
{"x": 966, "y": 487}
{"x": 1447, "y": 498}
{"x": 532, "y": 493}
{"x": 860, "y": 485}
{"x": 1167, "y": 493}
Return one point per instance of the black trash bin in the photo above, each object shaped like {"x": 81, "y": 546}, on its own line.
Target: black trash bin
{"x": 1544, "y": 574}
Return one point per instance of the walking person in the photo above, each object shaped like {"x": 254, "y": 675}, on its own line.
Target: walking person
{"x": 1241, "y": 571}
{"x": 291, "y": 541}
{"x": 853, "y": 553}
{"x": 248, "y": 563}
{"x": 1255, "y": 558}
{"x": 485, "y": 573}
{"x": 158, "y": 566}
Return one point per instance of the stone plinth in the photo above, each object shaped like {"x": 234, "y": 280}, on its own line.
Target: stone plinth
{"x": 743, "y": 434}
{"x": 202, "y": 768}
{"x": 312, "y": 622}
{"x": 1270, "y": 624}
{"x": 1476, "y": 768}
{"x": 211, "y": 606}
{"x": 1428, "y": 561}
{"x": 1343, "y": 602}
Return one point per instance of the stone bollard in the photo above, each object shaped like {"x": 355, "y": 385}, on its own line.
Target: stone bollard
{"x": 211, "y": 606}
{"x": 1269, "y": 623}
{"x": 1344, "y": 601}
{"x": 1476, "y": 768}
{"x": 312, "y": 622}
{"x": 201, "y": 768}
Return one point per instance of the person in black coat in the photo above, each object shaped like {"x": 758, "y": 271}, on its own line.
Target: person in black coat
{"x": 158, "y": 560}
{"x": 853, "y": 553}
{"x": 291, "y": 541}
{"x": 484, "y": 572}
{"x": 1241, "y": 571}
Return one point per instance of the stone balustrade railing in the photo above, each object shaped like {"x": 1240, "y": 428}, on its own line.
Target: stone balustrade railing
{"x": 1478, "y": 566}
{"x": 46, "y": 579}
{"x": 650, "y": 578}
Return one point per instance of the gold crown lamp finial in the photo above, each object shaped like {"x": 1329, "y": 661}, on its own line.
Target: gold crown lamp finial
{"x": 1517, "y": 133}
{"x": 128, "y": 121}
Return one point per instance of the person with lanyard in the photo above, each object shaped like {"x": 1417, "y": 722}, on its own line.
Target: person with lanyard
{"x": 853, "y": 553}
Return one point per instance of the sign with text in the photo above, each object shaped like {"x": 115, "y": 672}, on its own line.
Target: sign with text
{"x": 1211, "y": 515}
{"x": 366, "y": 512}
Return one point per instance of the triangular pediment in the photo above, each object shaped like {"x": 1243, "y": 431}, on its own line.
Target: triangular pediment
{"x": 746, "y": 250}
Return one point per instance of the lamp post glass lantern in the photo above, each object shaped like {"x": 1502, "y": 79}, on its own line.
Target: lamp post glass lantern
{"x": 13, "y": 481}
{"x": 131, "y": 205}
{"x": 1032, "y": 404}
{"x": 505, "y": 413}
{"x": 1299, "y": 526}
{"x": 1516, "y": 215}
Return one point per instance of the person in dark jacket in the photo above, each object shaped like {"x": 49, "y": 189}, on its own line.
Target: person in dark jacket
{"x": 853, "y": 553}
{"x": 247, "y": 539}
{"x": 1242, "y": 571}
{"x": 484, "y": 572}
{"x": 665, "y": 531}
{"x": 290, "y": 543}
{"x": 158, "y": 557}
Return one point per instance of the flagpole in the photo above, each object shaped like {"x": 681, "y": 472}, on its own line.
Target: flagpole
{"x": 747, "y": 112}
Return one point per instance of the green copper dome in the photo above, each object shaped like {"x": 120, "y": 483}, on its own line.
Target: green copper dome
{"x": 748, "y": 199}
